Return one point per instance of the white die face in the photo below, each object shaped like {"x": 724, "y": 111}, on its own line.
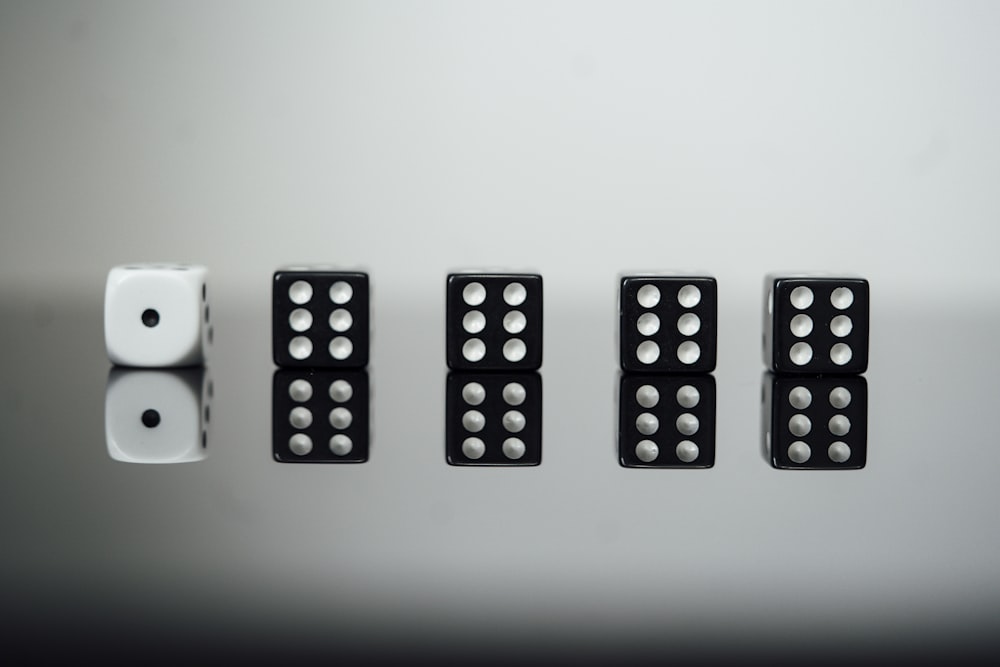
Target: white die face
{"x": 156, "y": 416}
{"x": 156, "y": 315}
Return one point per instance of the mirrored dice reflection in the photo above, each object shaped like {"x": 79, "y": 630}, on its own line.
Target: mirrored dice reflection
{"x": 666, "y": 421}
{"x": 815, "y": 423}
{"x": 320, "y": 416}
{"x": 493, "y": 419}
{"x": 157, "y": 416}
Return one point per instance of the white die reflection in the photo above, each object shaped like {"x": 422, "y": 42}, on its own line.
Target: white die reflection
{"x": 157, "y": 416}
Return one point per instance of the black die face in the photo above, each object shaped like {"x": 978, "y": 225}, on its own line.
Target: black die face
{"x": 494, "y": 322}
{"x": 666, "y": 421}
{"x": 815, "y": 423}
{"x": 493, "y": 419}
{"x": 816, "y": 325}
{"x": 320, "y": 416}
{"x": 320, "y": 319}
{"x": 668, "y": 324}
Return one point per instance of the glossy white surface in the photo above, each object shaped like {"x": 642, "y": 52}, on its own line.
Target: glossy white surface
{"x": 340, "y": 347}
{"x": 473, "y": 421}
{"x": 647, "y": 423}
{"x": 513, "y": 448}
{"x": 341, "y": 320}
{"x": 300, "y": 319}
{"x": 341, "y": 391}
{"x": 647, "y": 352}
{"x": 647, "y": 451}
{"x": 300, "y": 444}
{"x": 300, "y": 390}
{"x": 340, "y": 444}
{"x": 300, "y": 418}
{"x": 688, "y": 396}
{"x": 647, "y": 396}
{"x": 473, "y": 393}
{"x": 341, "y": 418}
{"x": 686, "y": 451}
{"x": 688, "y": 352}
{"x": 514, "y": 393}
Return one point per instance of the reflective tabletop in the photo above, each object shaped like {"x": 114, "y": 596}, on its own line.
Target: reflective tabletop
{"x": 229, "y": 547}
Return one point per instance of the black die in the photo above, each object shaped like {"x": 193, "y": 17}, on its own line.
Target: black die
{"x": 493, "y": 419}
{"x": 320, "y": 319}
{"x": 668, "y": 324}
{"x": 815, "y": 422}
{"x": 666, "y": 421}
{"x": 320, "y": 416}
{"x": 494, "y": 322}
{"x": 816, "y": 325}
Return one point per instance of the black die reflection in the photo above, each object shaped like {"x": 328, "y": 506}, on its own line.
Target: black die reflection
{"x": 666, "y": 421}
{"x": 818, "y": 423}
{"x": 320, "y": 416}
{"x": 493, "y": 419}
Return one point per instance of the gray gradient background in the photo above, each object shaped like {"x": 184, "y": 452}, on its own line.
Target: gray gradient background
{"x": 576, "y": 139}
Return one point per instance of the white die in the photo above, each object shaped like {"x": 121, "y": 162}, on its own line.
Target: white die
{"x": 157, "y": 416}
{"x": 156, "y": 315}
